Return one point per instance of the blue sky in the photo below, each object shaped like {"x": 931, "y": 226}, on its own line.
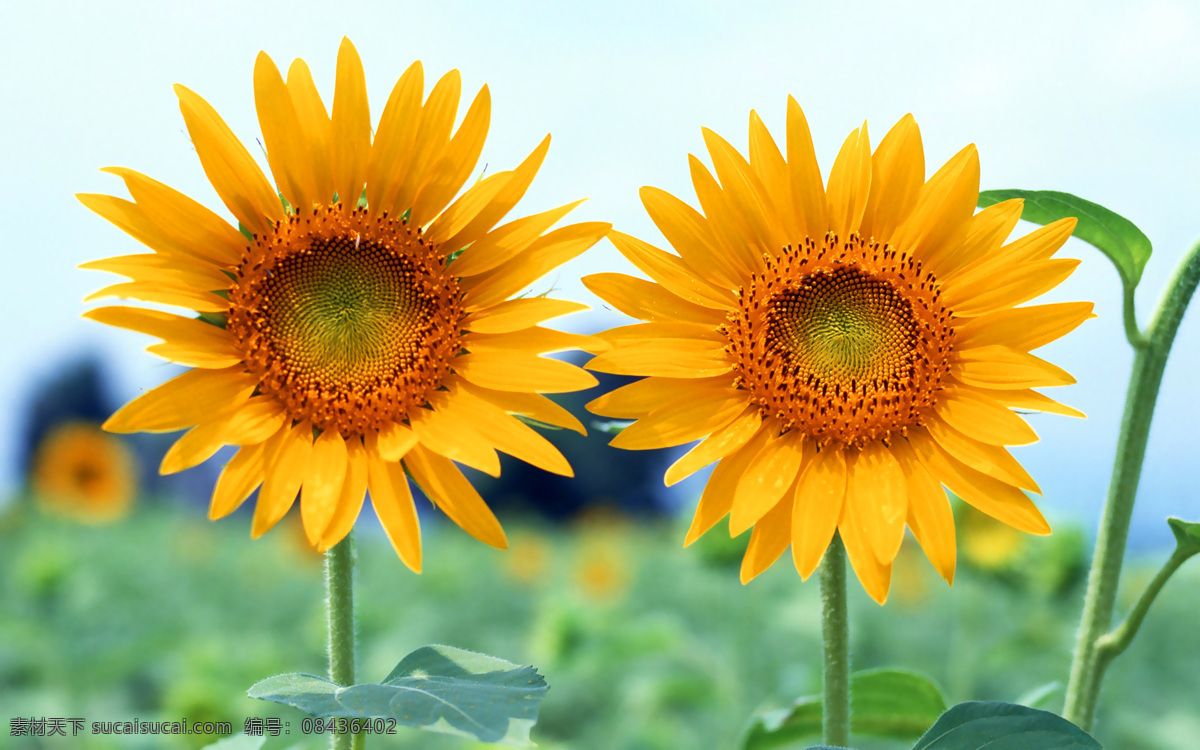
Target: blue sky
{"x": 1100, "y": 99}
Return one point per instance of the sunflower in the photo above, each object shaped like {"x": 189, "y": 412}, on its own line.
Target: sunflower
{"x": 359, "y": 328}
{"x": 82, "y": 472}
{"x": 842, "y": 350}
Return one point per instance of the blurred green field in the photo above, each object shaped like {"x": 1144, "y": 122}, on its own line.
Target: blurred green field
{"x": 646, "y": 646}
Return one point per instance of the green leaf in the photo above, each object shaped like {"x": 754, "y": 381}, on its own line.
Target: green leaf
{"x": 1187, "y": 534}
{"x": 1114, "y": 235}
{"x": 1041, "y": 695}
{"x": 895, "y": 703}
{"x": 975, "y": 725}
{"x": 536, "y": 423}
{"x": 435, "y": 688}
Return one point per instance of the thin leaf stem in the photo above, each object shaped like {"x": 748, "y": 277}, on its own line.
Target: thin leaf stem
{"x": 1134, "y": 334}
{"x": 835, "y": 636}
{"x": 339, "y": 580}
{"x": 1149, "y": 362}
{"x": 1112, "y": 645}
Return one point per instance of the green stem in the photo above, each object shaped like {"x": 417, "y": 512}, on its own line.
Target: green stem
{"x": 1112, "y": 645}
{"x": 1149, "y": 361}
{"x": 339, "y": 579}
{"x": 1136, "y": 339}
{"x": 835, "y": 636}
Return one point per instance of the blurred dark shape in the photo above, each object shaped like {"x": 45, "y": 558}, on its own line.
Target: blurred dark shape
{"x": 627, "y": 481}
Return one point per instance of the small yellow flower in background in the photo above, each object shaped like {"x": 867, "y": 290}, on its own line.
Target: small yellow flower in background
{"x": 84, "y": 473}
{"x": 602, "y": 569}
{"x": 988, "y": 544}
{"x": 842, "y": 350}
{"x": 528, "y": 558}
{"x": 365, "y": 329}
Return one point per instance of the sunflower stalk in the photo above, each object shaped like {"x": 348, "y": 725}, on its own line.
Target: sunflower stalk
{"x": 1083, "y": 689}
{"x": 835, "y": 637}
{"x": 339, "y": 579}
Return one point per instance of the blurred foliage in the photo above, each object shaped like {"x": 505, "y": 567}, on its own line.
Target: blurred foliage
{"x": 165, "y": 615}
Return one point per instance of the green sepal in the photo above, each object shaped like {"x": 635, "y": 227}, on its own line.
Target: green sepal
{"x": 976, "y": 725}
{"x": 245, "y": 232}
{"x": 536, "y": 423}
{"x": 1112, "y": 234}
{"x": 435, "y": 688}
{"x": 893, "y": 703}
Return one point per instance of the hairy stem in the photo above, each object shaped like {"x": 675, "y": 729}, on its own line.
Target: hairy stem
{"x": 1083, "y": 689}
{"x": 339, "y": 580}
{"x": 835, "y": 636}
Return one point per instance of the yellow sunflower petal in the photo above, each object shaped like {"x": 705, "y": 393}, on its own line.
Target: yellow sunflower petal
{"x": 196, "y": 446}
{"x": 351, "y": 498}
{"x": 191, "y": 227}
{"x": 510, "y": 435}
{"x": 536, "y": 340}
{"x": 992, "y": 460}
{"x": 985, "y": 234}
{"x": 515, "y": 371}
{"x": 771, "y": 536}
{"x": 817, "y": 507}
{"x": 323, "y": 486}
{"x": 432, "y": 138}
{"x": 506, "y": 242}
{"x": 998, "y": 499}
{"x": 457, "y": 161}
{"x": 897, "y": 174}
{"x": 768, "y": 163}
{"x": 808, "y": 189}
{"x": 1040, "y": 244}
{"x": 531, "y": 405}
{"x": 393, "y": 441}
{"x": 1009, "y": 288}
{"x": 744, "y": 191}
{"x": 229, "y": 166}
{"x": 983, "y": 419}
{"x": 1029, "y": 399}
{"x": 850, "y": 183}
{"x": 877, "y": 490}
{"x": 737, "y": 239}
{"x": 668, "y": 358}
{"x": 238, "y": 479}
{"x": 644, "y": 332}
{"x": 688, "y": 232}
{"x": 671, "y": 273}
{"x": 393, "y": 503}
{"x": 716, "y": 446}
{"x": 717, "y": 498}
{"x": 929, "y": 513}
{"x": 351, "y": 126}
{"x": 518, "y": 314}
{"x": 637, "y": 399}
{"x": 875, "y": 577}
{"x": 446, "y": 432}
{"x": 168, "y": 269}
{"x": 389, "y": 173}
{"x": 942, "y": 216}
{"x": 683, "y": 420}
{"x": 134, "y": 220}
{"x": 183, "y": 401}
{"x": 286, "y": 462}
{"x": 445, "y": 485}
{"x": 1000, "y": 367}
{"x": 315, "y": 126}
{"x": 286, "y": 148}
{"x": 543, "y": 256}
{"x": 163, "y": 294}
{"x": 1022, "y": 328}
{"x": 187, "y": 334}
{"x": 643, "y": 299}
{"x": 768, "y": 476}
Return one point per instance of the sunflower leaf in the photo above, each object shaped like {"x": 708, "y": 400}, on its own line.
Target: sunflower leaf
{"x": 1187, "y": 534}
{"x": 895, "y": 703}
{"x": 435, "y": 688}
{"x": 1114, "y": 235}
{"x": 1003, "y": 726}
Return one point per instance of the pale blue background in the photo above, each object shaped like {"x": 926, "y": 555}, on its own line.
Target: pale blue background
{"x": 1100, "y": 99}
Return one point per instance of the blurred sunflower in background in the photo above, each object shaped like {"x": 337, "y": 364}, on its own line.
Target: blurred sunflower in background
{"x": 842, "y": 349}
{"x": 82, "y": 472}
{"x": 359, "y": 325}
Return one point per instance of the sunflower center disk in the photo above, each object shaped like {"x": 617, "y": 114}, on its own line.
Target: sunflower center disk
{"x": 844, "y": 341}
{"x": 349, "y": 321}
